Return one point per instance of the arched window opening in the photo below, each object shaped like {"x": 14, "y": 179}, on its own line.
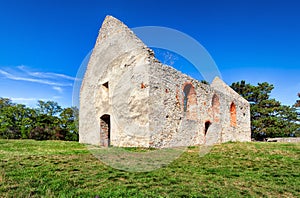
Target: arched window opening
{"x": 105, "y": 130}
{"x": 186, "y": 92}
{"x": 232, "y": 114}
{"x": 189, "y": 101}
{"x": 216, "y": 108}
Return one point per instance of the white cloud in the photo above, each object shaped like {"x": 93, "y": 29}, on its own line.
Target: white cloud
{"x": 59, "y": 89}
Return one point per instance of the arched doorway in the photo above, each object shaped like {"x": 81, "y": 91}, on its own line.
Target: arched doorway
{"x": 207, "y": 124}
{"x": 105, "y": 130}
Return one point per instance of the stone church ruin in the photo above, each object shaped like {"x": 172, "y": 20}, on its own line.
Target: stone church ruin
{"x": 129, "y": 99}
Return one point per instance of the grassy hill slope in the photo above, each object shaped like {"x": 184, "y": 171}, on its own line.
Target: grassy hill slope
{"x": 67, "y": 169}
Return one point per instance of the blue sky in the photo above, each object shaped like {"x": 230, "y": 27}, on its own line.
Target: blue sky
{"x": 43, "y": 42}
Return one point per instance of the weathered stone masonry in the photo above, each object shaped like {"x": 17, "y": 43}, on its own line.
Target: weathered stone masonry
{"x": 128, "y": 98}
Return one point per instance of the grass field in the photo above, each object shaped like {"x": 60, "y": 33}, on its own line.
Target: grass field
{"x": 67, "y": 169}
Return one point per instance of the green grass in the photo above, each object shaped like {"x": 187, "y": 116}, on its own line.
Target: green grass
{"x": 67, "y": 169}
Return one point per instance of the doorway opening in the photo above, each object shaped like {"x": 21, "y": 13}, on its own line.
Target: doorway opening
{"x": 207, "y": 125}
{"x": 105, "y": 130}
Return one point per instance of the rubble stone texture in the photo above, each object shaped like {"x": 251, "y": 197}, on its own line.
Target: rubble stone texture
{"x": 129, "y": 99}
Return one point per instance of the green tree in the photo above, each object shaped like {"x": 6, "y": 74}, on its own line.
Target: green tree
{"x": 268, "y": 117}
{"x": 7, "y": 120}
{"x": 46, "y": 122}
{"x": 46, "y": 128}
{"x": 205, "y": 82}
{"x": 50, "y": 108}
{"x": 5, "y": 102}
{"x": 16, "y": 120}
{"x": 297, "y": 104}
{"x": 69, "y": 123}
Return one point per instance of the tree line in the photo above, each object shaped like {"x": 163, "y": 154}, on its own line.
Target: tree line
{"x": 269, "y": 118}
{"x": 48, "y": 121}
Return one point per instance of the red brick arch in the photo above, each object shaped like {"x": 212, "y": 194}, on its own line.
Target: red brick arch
{"x": 215, "y": 103}
{"x": 233, "y": 115}
{"x": 189, "y": 100}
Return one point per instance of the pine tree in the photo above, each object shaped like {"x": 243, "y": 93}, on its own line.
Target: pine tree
{"x": 269, "y": 118}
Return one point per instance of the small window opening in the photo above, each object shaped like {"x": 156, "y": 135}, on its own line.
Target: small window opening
{"x": 105, "y": 85}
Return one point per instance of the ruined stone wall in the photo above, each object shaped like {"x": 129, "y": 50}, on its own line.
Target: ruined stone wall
{"x": 112, "y": 86}
{"x": 200, "y": 115}
{"x": 173, "y": 123}
{"x": 238, "y": 129}
{"x": 129, "y": 99}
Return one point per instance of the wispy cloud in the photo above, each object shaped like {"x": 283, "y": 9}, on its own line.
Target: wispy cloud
{"x": 45, "y": 74}
{"x": 24, "y": 99}
{"x": 25, "y": 83}
{"x": 61, "y": 80}
{"x": 32, "y": 102}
